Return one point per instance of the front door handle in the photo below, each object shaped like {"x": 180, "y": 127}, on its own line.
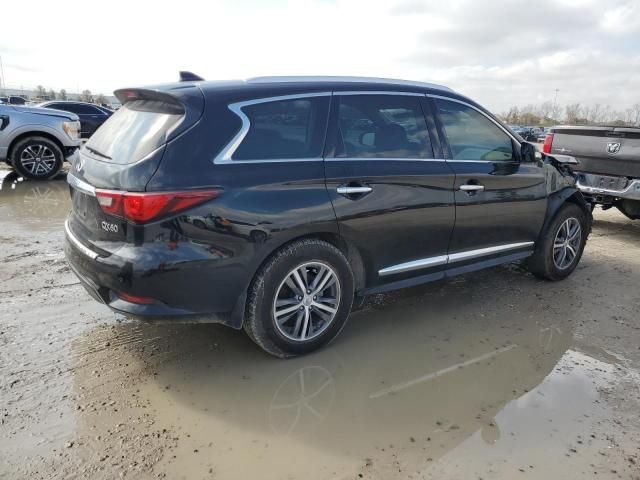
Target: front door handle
{"x": 347, "y": 190}
{"x": 472, "y": 188}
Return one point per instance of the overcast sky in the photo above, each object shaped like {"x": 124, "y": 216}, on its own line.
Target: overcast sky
{"x": 498, "y": 52}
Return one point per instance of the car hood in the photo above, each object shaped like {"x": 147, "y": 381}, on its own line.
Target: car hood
{"x": 46, "y": 111}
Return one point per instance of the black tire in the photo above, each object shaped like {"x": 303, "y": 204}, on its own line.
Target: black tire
{"x": 28, "y": 165}
{"x": 260, "y": 323}
{"x": 543, "y": 264}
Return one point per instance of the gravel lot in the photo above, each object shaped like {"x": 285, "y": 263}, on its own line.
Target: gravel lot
{"x": 494, "y": 375}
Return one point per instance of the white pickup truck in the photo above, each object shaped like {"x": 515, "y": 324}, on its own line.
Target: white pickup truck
{"x": 608, "y": 163}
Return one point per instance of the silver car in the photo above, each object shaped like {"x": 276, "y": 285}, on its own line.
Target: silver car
{"x": 36, "y": 141}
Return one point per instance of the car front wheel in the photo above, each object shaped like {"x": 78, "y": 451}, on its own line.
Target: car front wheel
{"x": 300, "y": 299}
{"x": 559, "y": 251}
{"x": 36, "y": 158}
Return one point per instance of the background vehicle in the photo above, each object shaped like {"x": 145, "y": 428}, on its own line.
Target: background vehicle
{"x": 609, "y": 163}
{"x": 13, "y": 100}
{"x": 352, "y": 186}
{"x": 36, "y": 141}
{"x": 91, "y": 116}
{"x": 542, "y": 134}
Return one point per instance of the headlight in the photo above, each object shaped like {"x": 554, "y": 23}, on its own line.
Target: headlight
{"x": 72, "y": 129}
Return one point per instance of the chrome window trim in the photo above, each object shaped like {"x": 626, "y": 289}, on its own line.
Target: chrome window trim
{"x": 226, "y": 154}
{"x": 450, "y": 258}
{"x": 80, "y": 185}
{"x": 391, "y": 159}
{"x": 442, "y": 97}
{"x": 72, "y": 238}
{"x": 378, "y": 92}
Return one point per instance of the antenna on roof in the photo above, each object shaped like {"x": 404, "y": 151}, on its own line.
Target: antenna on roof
{"x": 190, "y": 77}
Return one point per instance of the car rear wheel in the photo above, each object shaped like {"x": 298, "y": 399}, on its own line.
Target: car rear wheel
{"x": 36, "y": 158}
{"x": 560, "y": 250}
{"x": 300, "y": 299}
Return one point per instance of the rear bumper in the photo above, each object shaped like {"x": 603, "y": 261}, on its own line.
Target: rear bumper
{"x": 106, "y": 277}
{"x": 629, "y": 189}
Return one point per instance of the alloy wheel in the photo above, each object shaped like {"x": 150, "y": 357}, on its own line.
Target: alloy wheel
{"x": 307, "y": 301}
{"x": 567, "y": 243}
{"x": 39, "y": 160}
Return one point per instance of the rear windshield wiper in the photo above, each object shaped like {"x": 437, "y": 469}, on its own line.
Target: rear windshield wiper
{"x": 93, "y": 150}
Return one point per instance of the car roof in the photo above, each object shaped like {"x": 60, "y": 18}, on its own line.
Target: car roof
{"x": 301, "y": 84}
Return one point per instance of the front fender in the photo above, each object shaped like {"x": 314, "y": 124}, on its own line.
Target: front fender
{"x": 38, "y": 128}
{"x": 557, "y": 199}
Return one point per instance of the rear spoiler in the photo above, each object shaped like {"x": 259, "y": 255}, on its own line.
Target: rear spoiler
{"x": 158, "y": 101}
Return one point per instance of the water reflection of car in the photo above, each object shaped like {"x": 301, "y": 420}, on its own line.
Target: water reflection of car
{"x": 33, "y": 203}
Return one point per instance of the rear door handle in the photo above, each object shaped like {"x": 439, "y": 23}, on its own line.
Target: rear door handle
{"x": 472, "y": 188}
{"x": 345, "y": 190}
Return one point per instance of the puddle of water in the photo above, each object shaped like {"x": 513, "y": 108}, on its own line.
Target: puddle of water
{"x": 31, "y": 204}
{"x": 432, "y": 389}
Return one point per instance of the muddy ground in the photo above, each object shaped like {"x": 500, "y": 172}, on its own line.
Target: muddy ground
{"x": 491, "y": 375}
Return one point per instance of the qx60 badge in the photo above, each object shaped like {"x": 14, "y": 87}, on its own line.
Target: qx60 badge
{"x": 613, "y": 147}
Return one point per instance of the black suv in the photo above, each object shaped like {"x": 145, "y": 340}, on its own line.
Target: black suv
{"x": 271, "y": 203}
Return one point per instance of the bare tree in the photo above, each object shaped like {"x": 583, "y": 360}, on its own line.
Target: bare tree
{"x": 63, "y": 94}
{"x": 100, "y": 99}
{"x": 86, "y": 96}
{"x": 52, "y": 94}
{"x": 546, "y": 110}
{"x": 573, "y": 112}
{"x": 635, "y": 114}
{"x": 40, "y": 91}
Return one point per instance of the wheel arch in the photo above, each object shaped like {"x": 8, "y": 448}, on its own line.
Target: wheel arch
{"x": 349, "y": 250}
{"x": 557, "y": 199}
{"x": 35, "y": 133}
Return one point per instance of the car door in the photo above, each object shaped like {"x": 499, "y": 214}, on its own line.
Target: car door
{"x": 500, "y": 202}
{"x": 392, "y": 196}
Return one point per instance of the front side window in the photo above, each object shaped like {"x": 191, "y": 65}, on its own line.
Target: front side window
{"x": 471, "y": 135}
{"x": 382, "y": 126}
{"x": 284, "y": 129}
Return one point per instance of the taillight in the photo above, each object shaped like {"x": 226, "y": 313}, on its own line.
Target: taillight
{"x": 548, "y": 142}
{"x": 145, "y": 207}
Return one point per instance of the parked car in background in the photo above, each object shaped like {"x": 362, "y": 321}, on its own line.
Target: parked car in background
{"x": 36, "y": 141}
{"x": 13, "y": 100}
{"x": 91, "y": 116}
{"x": 530, "y": 134}
{"x": 542, "y": 134}
{"x": 609, "y": 163}
{"x": 353, "y": 186}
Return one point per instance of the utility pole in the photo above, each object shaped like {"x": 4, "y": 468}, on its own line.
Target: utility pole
{"x": 3, "y": 83}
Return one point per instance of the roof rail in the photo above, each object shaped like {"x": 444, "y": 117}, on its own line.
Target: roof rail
{"x": 303, "y": 78}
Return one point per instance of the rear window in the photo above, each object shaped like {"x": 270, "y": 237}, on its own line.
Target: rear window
{"x": 134, "y": 131}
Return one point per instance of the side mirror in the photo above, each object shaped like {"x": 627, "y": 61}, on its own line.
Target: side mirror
{"x": 368, "y": 139}
{"x": 529, "y": 153}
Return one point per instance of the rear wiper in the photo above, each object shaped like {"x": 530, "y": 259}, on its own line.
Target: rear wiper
{"x": 93, "y": 150}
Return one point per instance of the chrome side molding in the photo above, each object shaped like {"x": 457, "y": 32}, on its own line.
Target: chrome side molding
{"x": 451, "y": 258}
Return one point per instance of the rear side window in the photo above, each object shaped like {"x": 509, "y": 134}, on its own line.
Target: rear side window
{"x": 382, "y": 126}
{"x": 284, "y": 129}
{"x": 134, "y": 131}
{"x": 471, "y": 135}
